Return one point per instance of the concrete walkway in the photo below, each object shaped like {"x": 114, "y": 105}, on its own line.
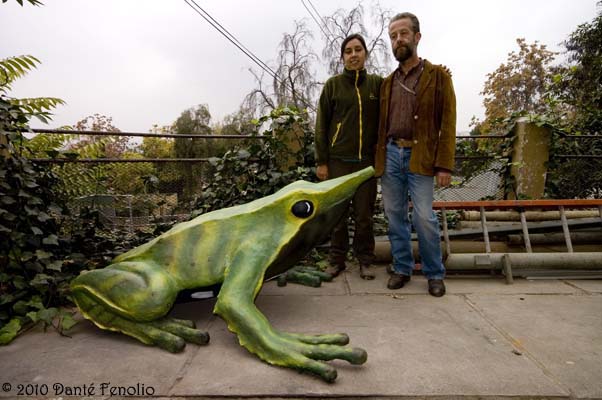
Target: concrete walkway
{"x": 532, "y": 339}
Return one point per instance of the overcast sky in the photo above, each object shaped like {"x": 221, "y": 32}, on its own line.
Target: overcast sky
{"x": 143, "y": 62}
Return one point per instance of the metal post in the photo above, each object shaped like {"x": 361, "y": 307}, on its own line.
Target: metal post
{"x": 129, "y": 197}
{"x": 523, "y": 223}
{"x": 507, "y": 266}
{"x": 485, "y": 232}
{"x": 565, "y": 229}
{"x": 445, "y": 232}
{"x": 600, "y": 212}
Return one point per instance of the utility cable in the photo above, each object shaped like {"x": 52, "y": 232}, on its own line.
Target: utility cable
{"x": 214, "y": 23}
{"x": 320, "y": 17}
{"x": 315, "y": 19}
{"x": 232, "y": 39}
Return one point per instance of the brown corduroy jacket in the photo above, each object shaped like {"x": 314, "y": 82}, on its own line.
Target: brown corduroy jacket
{"x": 434, "y": 139}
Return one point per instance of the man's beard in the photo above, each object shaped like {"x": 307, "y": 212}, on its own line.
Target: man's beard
{"x": 404, "y": 52}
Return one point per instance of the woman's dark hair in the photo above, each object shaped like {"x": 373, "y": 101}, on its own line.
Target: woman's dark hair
{"x": 350, "y": 38}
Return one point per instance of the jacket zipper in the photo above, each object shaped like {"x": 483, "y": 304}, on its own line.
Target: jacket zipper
{"x": 336, "y": 134}
{"x": 359, "y": 99}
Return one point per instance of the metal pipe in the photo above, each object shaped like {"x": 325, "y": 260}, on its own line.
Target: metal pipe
{"x": 382, "y": 249}
{"x": 501, "y": 204}
{"x": 565, "y": 229}
{"x": 579, "y": 156}
{"x": 577, "y": 261}
{"x": 485, "y": 232}
{"x": 445, "y": 232}
{"x": 146, "y": 134}
{"x": 510, "y": 215}
{"x": 554, "y": 238}
{"x": 535, "y": 226}
{"x": 117, "y": 160}
{"x": 523, "y": 222}
{"x": 485, "y": 137}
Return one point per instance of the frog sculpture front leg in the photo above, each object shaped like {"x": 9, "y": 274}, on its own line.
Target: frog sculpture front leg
{"x": 236, "y": 306}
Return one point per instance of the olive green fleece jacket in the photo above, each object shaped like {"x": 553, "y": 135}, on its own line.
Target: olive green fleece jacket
{"x": 434, "y": 137}
{"x": 347, "y": 120}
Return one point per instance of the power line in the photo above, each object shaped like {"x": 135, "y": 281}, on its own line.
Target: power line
{"x": 214, "y": 23}
{"x": 232, "y": 39}
{"x": 315, "y": 19}
{"x": 320, "y": 17}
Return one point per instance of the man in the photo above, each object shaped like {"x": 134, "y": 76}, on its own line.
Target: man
{"x": 416, "y": 142}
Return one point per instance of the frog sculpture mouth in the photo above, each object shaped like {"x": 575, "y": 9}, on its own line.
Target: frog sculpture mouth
{"x": 236, "y": 247}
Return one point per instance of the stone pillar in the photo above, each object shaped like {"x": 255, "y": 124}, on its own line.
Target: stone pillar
{"x": 529, "y": 157}
{"x": 3, "y": 147}
{"x": 293, "y": 139}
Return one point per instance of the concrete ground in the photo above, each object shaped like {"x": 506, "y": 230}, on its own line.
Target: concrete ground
{"x": 532, "y": 339}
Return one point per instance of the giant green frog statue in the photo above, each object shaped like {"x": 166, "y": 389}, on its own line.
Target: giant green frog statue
{"x": 236, "y": 247}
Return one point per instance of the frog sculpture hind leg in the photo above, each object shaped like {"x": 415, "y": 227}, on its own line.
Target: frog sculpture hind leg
{"x": 133, "y": 298}
{"x": 237, "y": 247}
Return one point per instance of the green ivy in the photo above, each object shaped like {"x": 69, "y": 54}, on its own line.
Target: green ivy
{"x": 32, "y": 276}
{"x": 260, "y": 167}
{"x": 42, "y": 246}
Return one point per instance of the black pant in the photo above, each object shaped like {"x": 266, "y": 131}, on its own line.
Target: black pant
{"x": 362, "y": 207}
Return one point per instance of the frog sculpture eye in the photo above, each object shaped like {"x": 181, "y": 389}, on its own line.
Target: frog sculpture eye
{"x": 303, "y": 209}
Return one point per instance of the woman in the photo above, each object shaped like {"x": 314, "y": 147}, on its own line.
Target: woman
{"x": 345, "y": 136}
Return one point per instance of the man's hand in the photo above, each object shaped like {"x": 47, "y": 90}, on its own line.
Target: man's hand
{"x": 446, "y": 69}
{"x": 443, "y": 178}
{"x": 322, "y": 172}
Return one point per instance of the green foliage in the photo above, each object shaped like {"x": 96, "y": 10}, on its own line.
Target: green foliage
{"x": 13, "y": 68}
{"x": 42, "y": 247}
{"x": 30, "y": 210}
{"x": 519, "y": 85}
{"x": 570, "y": 178}
{"x": 86, "y": 179}
{"x": 490, "y": 154}
{"x": 258, "y": 169}
{"x": 163, "y": 177}
{"x": 130, "y": 178}
{"x": 574, "y": 101}
{"x": 567, "y": 98}
{"x": 566, "y": 178}
{"x": 194, "y": 121}
{"x": 576, "y": 89}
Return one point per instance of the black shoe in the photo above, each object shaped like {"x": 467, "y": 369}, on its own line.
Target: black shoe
{"x": 335, "y": 269}
{"x": 366, "y": 272}
{"x": 397, "y": 281}
{"x": 436, "y": 287}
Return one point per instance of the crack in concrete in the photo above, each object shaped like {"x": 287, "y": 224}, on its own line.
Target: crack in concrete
{"x": 182, "y": 371}
{"x": 518, "y": 347}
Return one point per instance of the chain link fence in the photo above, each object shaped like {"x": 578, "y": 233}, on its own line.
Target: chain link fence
{"x": 139, "y": 194}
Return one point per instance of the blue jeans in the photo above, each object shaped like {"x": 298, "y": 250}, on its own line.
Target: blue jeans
{"x": 397, "y": 182}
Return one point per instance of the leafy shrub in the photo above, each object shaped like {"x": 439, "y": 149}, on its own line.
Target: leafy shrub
{"x": 262, "y": 166}
{"x": 32, "y": 277}
{"x": 42, "y": 247}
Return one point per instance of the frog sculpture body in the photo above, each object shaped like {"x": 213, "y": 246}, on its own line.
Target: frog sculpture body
{"x": 237, "y": 247}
